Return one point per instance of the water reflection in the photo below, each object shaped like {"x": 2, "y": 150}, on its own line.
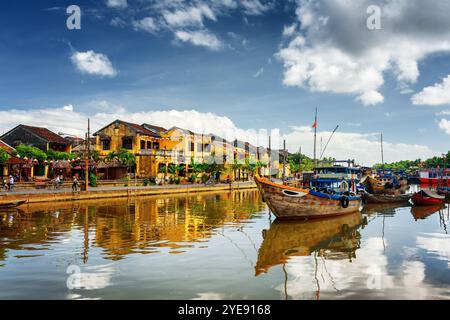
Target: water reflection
{"x": 144, "y": 226}
{"x": 208, "y": 245}
{"x": 334, "y": 238}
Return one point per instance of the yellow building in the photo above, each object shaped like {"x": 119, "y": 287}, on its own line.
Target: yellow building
{"x": 144, "y": 141}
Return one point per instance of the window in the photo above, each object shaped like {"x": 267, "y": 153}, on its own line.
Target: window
{"x": 149, "y": 144}
{"x": 207, "y": 148}
{"x": 142, "y": 144}
{"x": 127, "y": 143}
{"x": 106, "y": 144}
{"x": 192, "y": 146}
{"x": 156, "y": 145}
{"x": 199, "y": 147}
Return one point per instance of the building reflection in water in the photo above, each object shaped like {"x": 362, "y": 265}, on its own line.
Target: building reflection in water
{"x": 121, "y": 227}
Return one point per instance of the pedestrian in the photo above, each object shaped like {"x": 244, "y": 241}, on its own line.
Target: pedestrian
{"x": 11, "y": 183}
{"x": 75, "y": 185}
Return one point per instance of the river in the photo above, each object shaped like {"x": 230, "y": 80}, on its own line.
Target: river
{"x": 220, "y": 246}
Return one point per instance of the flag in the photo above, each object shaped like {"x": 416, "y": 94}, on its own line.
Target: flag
{"x": 315, "y": 124}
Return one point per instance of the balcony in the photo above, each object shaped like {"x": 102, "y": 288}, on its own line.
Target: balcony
{"x": 158, "y": 153}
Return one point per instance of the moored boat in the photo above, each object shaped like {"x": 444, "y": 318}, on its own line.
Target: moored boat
{"x": 427, "y": 197}
{"x": 294, "y": 203}
{"x": 386, "y": 198}
{"x": 385, "y": 186}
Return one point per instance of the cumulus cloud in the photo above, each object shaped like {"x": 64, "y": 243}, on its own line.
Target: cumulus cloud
{"x": 444, "y": 125}
{"x": 436, "y": 95}
{"x": 201, "y": 38}
{"x": 334, "y": 51}
{"x": 362, "y": 147}
{"x": 93, "y": 63}
{"x": 117, "y": 3}
{"x": 147, "y": 24}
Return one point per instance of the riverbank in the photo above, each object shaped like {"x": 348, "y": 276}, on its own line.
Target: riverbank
{"x": 39, "y": 196}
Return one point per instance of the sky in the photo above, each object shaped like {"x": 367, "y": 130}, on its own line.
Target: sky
{"x": 244, "y": 68}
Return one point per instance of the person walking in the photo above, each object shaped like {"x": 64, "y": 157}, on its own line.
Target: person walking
{"x": 11, "y": 184}
{"x": 75, "y": 185}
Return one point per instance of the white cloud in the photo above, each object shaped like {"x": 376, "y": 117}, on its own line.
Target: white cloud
{"x": 147, "y": 24}
{"x": 322, "y": 57}
{"x": 259, "y": 73}
{"x": 444, "y": 125}
{"x": 289, "y": 30}
{"x": 93, "y": 63}
{"x": 255, "y": 7}
{"x": 187, "y": 19}
{"x": 117, "y": 3}
{"x": 199, "y": 38}
{"x": 364, "y": 148}
{"x": 436, "y": 95}
{"x": 192, "y": 16}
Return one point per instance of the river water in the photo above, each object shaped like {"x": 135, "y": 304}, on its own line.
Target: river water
{"x": 220, "y": 246}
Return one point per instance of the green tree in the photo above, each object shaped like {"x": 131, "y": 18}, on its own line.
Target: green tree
{"x": 4, "y": 156}
{"x": 30, "y": 152}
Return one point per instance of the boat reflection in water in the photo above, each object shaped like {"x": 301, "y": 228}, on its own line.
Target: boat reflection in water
{"x": 421, "y": 213}
{"x": 333, "y": 238}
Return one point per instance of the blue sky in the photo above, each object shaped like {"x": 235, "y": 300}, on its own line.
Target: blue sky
{"x": 259, "y": 64}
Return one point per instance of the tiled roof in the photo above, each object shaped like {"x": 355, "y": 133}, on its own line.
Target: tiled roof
{"x": 138, "y": 128}
{"x": 46, "y": 134}
{"x": 6, "y": 147}
{"x": 153, "y": 128}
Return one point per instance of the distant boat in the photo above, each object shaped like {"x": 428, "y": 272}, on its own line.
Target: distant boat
{"x": 386, "y": 198}
{"x": 435, "y": 177}
{"x": 426, "y": 197}
{"x": 293, "y": 203}
{"x": 385, "y": 185}
{"x": 13, "y": 204}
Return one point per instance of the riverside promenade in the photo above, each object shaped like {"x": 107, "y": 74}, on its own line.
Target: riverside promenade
{"x": 66, "y": 194}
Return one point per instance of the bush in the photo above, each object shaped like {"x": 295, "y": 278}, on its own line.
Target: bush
{"x": 146, "y": 182}
{"x": 93, "y": 180}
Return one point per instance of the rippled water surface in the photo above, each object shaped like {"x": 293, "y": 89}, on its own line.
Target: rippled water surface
{"x": 223, "y": 246}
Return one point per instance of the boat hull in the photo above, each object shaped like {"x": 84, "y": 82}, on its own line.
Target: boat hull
{"x": 308, "y": 206}
{"x": 420, "y": 200}
{"x": 434, "y": 182}
{"x": 386, "y": 198}
{"x": 10, "y": 205}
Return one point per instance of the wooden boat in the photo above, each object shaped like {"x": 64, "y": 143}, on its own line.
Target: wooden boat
{"x": 386, "y": 198}
{"x": 420, "y": 213}
{"x": 427, "y": 197}
{"x": 336, "y": 237}
{"x": 12, "y": 204}
{"x": 384, "y": 186}
{"x": 293, "y": 203}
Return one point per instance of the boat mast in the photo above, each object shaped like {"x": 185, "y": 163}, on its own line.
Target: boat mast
{"x": 284, "y": 161}
{"x": 382, "y": 152}
{"x": 315, "y": 141}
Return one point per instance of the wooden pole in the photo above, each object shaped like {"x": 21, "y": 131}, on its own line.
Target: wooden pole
{"x": 284, "y": 161}
{"x": 86, "y": 178}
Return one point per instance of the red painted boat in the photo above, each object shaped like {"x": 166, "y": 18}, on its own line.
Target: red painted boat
{"x": 427, "y": 197}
